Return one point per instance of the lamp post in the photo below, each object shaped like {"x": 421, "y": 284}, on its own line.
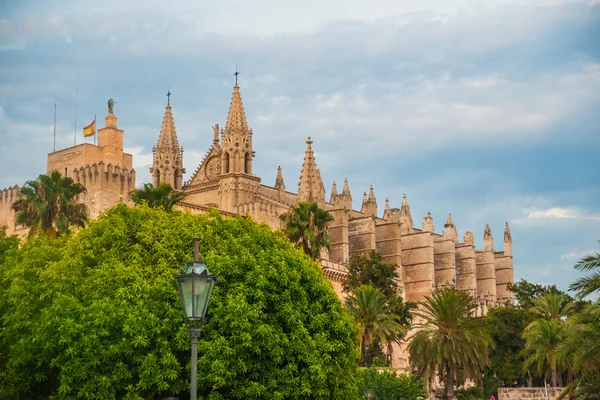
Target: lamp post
{"x": 195, "y": 284}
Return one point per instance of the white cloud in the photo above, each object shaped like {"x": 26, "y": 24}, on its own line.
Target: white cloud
{"x": 576, "y": 255}
{"x": 562, "y": 213}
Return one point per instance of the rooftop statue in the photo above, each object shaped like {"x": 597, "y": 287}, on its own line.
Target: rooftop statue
{"x": 111, "y": 103}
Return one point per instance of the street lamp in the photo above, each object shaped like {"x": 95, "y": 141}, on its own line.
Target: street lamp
{"x": 195, "y": 285}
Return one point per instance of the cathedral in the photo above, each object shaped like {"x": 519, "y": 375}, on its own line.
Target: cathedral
{"x": 224, "y": 179}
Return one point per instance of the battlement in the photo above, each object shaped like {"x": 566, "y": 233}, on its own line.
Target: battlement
{"x": 9, "y": 195}
{"x": 99, "y": 173}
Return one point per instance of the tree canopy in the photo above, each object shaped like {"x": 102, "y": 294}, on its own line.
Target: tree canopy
{"x": 163, "y": 196}
{"x": 51, "y": 204}
{"x": 448, "y": 341}
{"x": 96, "y": 314}
{"x": 306, "y": 227}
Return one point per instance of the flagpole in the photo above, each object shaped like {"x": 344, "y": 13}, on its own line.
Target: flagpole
{"x": 95, "y": 129}
{"x": 54, "y": 146}
{"x": 75, "y": 133}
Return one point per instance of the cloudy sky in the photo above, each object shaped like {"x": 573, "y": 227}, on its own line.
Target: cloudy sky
{"x": 489, "y": 110}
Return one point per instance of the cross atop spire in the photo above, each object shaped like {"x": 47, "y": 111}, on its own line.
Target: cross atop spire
{"x": 236, "y": 73}
{"x": 169, "y": 96}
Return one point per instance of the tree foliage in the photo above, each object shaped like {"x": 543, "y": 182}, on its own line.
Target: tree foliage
{"x": 371, "y": 271}
{"x": 588, "y": 284}
{"x": 388, "y": 385}
{"x": 96, "y": 315}
{"x": 306, "y": 227}
{"x": 163, "y": 196}
{"x": 50, "y": 204}
{"x": 448, "y": 340}
{"x": 505, "y": 326}
{"x": 369, "y": 307}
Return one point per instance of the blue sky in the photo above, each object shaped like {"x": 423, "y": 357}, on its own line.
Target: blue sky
{"x": 488, "y": 109}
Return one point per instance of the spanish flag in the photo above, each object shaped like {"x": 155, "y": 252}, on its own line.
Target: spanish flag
{"x": 90, "y": 130}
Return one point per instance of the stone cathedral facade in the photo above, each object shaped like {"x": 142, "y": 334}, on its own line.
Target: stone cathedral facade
{"x": 426, "y": 259}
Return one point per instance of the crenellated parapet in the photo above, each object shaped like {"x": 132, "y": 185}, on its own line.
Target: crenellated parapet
{"x": 9, "y": 195}
{"x": 7, "y": 215}
{"x": 106, "y": 185}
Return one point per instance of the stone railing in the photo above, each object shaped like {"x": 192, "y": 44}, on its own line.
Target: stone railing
{"x": 529, "y": 393}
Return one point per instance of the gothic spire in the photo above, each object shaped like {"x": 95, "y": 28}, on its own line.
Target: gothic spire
{"x": 279, "y": 180}
{"x": 507, "y": 241}
{"x": 346, "y": 189}
{"x": 450, "y": 229}
{"x": 488, "y": 240}
{"x": 428, "y": 223}
{"x": 236, "y": 143}
{"x": 507, "y": 236}
{"x": 310, "y": 187}
{"x": 167, "y": 162}
{"x": 405, "y": 217}
{"x": 334, "y": 193}
{"x": 236, "y": 119}
{"x": 168, "y": 134}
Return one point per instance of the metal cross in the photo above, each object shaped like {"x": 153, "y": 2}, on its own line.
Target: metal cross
{"x": 236, "y": 74}
{"x": 169, "y": 96}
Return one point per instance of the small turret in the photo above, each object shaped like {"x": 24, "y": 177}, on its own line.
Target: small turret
{"x": 428, "y": 223}
{"x": 279, "y": 184}
{"x": 405, "y": 217}
{"x": 369, "y": 206}
{"x": 469, "y": 238}
{"x": 334, "y": 194}
{"x": 488, "y": 240}
{"x": 387, "y": 211}
{"x": 450, "y": 229}
{"x": 507, "y": 241}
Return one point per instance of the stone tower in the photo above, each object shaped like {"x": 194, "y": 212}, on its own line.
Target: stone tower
{"x": 310, "y": 186}
{"x": 237, "y": 154}
{"x": 237, "y": 185}
{"x": 167, "y": 162}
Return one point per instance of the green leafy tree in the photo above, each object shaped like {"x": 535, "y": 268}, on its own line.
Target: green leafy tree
{"x": 505, "y": 326}
{"x": 305, "y": 225}
{"x": 589, "y": 284}
{"x": 371, "y": 270}
{"x": 50, "y": 204}
{"x": 369, "y": 307}
{"x": 7, "y": 243}
{"x": 448, "y": 340}
{"x": 388, "y": 385}
{"x": 163, "y": 196}
{"x": 97, "y": 315}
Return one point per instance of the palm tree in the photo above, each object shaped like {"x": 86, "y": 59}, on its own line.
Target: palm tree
{"x": 542, "y": 338}
{"x": 581, "y": 345}
{"x": 589, "y": 284}
{"x": 553, "y": 305}
{"x": 543, "y": 335}
{"x": 448, "y": 339}
{"x": 51, "y": 204}
{"x": 162, "y": 196}
{"x": 306, "y": 227}
{"x": 369, "y": 307}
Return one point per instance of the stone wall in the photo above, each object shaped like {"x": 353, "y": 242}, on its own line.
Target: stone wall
{"x": 528, "y": 393}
